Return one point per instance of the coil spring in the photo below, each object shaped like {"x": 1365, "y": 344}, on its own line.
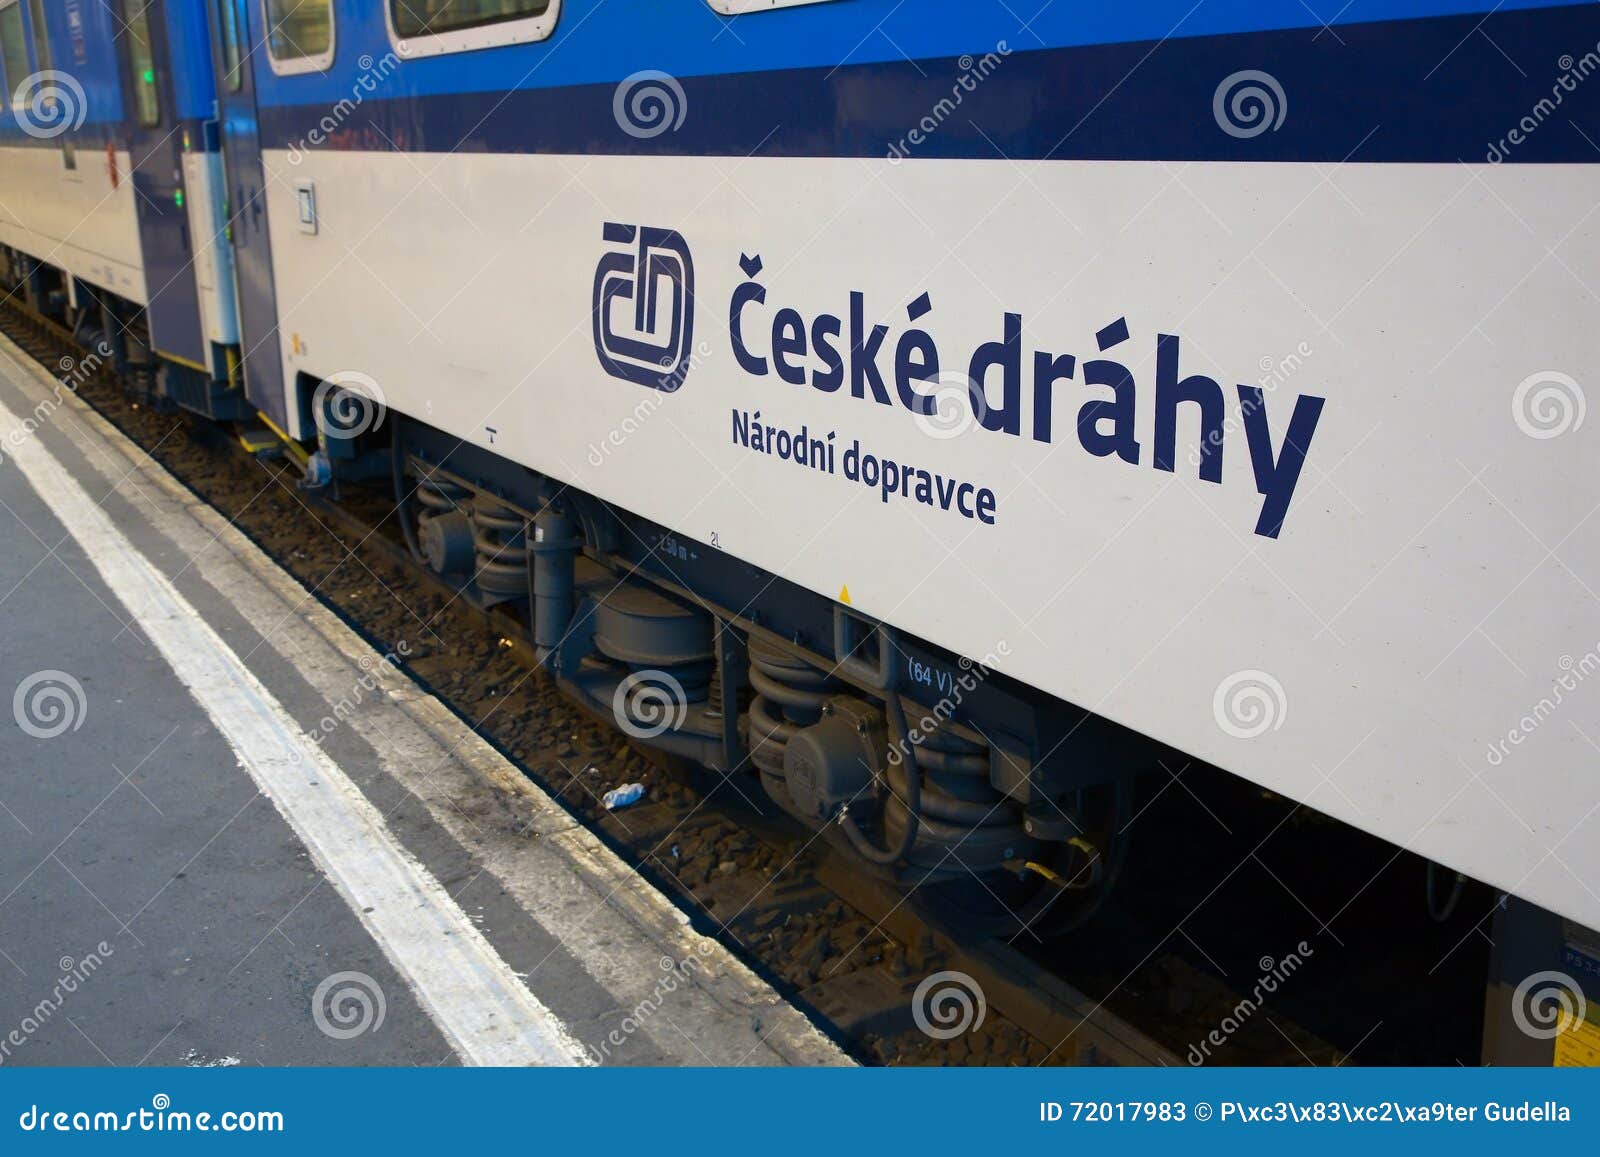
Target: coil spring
{"x": 437, "y": 496}
{"x": 741, "y": 699}
{"x": 500, "y": 536}
{"x": 714, "y": 693}
{"x": 955, "y": 773}
{"x": 964, "y": 824}
{"x": 789, "y": 695}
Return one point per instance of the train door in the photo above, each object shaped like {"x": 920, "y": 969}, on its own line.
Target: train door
{"x": 247, "y": 207}
{"x": 155, "y": 137}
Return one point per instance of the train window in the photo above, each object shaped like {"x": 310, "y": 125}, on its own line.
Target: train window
{"x": 228, "y": 23}
{"x": 41, "y": 36}
{"x": 135, "y": 37}
{"x": 13, "y": 49}
{"x": 431, "y": 27}
{"x": 299, "y": 35}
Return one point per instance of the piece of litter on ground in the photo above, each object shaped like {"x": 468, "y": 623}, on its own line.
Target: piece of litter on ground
{"x": 621, "y": 797}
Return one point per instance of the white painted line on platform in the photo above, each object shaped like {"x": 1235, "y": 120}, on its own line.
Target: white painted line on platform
{"x": 480, "y": 1005}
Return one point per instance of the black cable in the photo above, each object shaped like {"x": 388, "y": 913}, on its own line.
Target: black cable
{"x": 913, "y": 800}
{"x": 1116, "y": 854}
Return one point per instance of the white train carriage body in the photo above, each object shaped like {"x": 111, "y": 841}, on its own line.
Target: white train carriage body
{"x": 64, "y": 195}
{"x": 1282, "y": 463}
{"x": 1221, "y": 373}
{"x": 83, "y": 222}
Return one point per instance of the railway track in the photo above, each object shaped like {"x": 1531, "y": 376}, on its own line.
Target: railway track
{"x": 846, "y": 947}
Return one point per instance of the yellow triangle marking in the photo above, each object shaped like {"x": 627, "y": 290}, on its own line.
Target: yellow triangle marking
{"x": 844, "y": 595}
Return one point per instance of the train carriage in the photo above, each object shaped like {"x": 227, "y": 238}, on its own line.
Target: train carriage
{"x": 934, "y": 414}
{"x": 115, "y": 204}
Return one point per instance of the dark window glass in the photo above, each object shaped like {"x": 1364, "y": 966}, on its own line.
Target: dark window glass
{"x": 431, "y": 17}
{"x": 297, "y": 29}
{"x": 135, "y": 37}
{"x": 13, "y": 50}
{"x": 228, "y": 28}
{"x": 41, "y": 36}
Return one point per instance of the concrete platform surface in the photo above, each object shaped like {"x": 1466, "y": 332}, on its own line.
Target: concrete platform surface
{"x": 186, "y": 879}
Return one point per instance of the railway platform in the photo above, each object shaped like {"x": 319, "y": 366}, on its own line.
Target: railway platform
{"x": 235, "y": 834}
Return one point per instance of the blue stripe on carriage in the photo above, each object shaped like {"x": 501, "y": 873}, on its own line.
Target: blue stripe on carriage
{"x": 1439, "y": 89}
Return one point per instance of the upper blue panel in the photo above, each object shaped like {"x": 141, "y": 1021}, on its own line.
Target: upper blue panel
{"x": 82, "y": 47}
{"x": 605, "y": 40}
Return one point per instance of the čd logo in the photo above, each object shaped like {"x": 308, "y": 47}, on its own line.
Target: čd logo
{"x": 644, "y": 307}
